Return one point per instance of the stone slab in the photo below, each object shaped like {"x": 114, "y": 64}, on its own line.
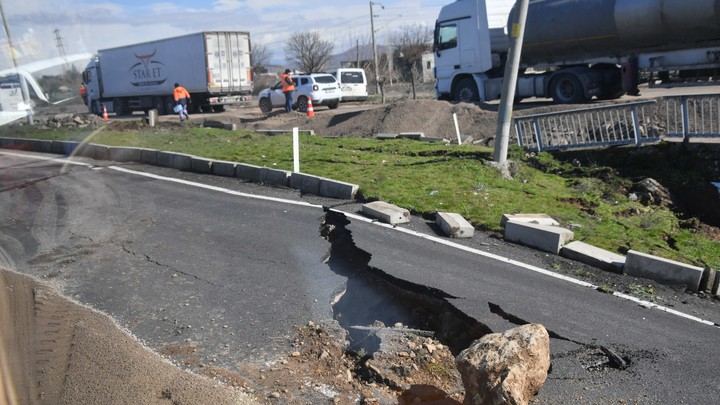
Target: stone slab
{"x": 454, "y": 225}
{"x": 249, "y": 172}
{"x": 201, "y": 165}
{"x": 643, "y": 265}
{"x": 543, "y": 237}
{"x": 593, "y": 256}
{"x": 306, "y": 183}
{"x": 274, "y": 177}
{"x": 223, "y": 168}
{"x": 338, "y": 189}
{"x": 540, "y": 219}
{"x": 125, "y": 154}
{"x": 386, "y": 212}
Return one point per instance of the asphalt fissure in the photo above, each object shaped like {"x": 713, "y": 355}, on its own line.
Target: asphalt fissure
{"x": 375, "y": 302}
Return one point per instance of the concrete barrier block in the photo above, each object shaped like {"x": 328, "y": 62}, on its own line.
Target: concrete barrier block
{"x": 543, "y": 237}
{"x": 338, "y": 189}
{"x": 99, "y": 152}
{"x": 274, "y": 177}
{"x": 248, "y": 172}
{"x": 593, "y": 256}
{"x": 165, "y": 159}
{"x": 306, "y": 183}
{"x": 182, "y": 161}
{"x": 411, "y": 135}
{"x": 149, "y": 156}
{"x": 219, "y": 125}
{"x": 715, "y": 289}
{"x": 383, "y": 137}
{"x": 125, "y": 154}
{"x": 201, "y": 165}
{"x": 386, "y": 212}
{"x": 223, "y": 168}
{"x": 540, "y": 219}
{"x": 454, "y": 225}
{"x": 46, "y": 146}
{"x": 643, "y": 265}
{"x": 66, "y": 148}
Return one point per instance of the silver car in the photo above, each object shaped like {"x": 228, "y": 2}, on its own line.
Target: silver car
{"x": 322, "y": 88}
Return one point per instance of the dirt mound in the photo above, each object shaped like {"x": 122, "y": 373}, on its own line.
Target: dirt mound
{"x": 54, "y": 351}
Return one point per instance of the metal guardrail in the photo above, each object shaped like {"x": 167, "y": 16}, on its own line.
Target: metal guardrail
{"x": 613, "y": 124}
{"x": 692, "y": 116}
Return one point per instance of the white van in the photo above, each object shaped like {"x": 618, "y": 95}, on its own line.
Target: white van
{"x": 353, "y": 83}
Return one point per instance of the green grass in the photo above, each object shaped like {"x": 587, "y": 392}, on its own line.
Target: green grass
{"x": 426, "y": 178}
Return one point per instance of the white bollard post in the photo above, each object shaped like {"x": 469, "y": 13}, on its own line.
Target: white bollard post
{"x": 296, "y": 150}
{"x": 457, "y": 128}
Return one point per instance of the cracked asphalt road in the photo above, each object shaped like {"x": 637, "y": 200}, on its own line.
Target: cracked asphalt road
{"x": 172, "y": 262}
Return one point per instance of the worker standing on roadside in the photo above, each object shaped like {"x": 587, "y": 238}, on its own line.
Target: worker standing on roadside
{"x": 182, "y": 97}
{"x": 288, "y": 86}
{"x": 83, "y": 93}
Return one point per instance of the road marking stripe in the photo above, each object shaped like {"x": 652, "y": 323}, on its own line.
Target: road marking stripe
{"x": 643, "y": 303}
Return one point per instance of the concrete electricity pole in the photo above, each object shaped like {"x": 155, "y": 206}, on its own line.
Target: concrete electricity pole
{"x": 372, "y": 35}
{"x": 502, "y": 135}
{"x": 23, "y": 83}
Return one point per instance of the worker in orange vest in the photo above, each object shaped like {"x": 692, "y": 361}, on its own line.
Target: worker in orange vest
{"x": 288, "y": 86}
{"x": 182, "y": 98}
{"x": 83, "y": 93}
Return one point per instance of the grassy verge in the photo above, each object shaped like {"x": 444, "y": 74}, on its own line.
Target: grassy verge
{"x": 425, "y": 178}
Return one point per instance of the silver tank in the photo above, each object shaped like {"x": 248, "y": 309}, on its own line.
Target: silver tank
{"x": 558, "y": 31}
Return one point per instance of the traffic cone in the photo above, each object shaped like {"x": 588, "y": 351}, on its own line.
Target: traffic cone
{"x": 105, "y": 117}
{"x": 310, "y": 111}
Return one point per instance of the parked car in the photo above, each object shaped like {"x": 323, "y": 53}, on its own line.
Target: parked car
{"x": 321, "y": 88}
{"x": 353, "y": 83}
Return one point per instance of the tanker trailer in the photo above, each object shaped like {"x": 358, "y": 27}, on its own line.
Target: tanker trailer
{"x": 577, "y": 49}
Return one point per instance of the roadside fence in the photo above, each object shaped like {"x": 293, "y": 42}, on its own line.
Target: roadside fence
{"x": 613, "y": 124}
{"x": 692, "y": 116}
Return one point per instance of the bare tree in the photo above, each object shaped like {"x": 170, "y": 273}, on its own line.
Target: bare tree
{"x": 308, "y": 51}
{"x": 259, "y": 57}
{"x": 411, "y": 41}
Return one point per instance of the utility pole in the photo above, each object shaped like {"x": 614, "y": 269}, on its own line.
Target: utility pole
{"x": 60, "y": 46}
{"x": 372, "y": 35}
{"x": 517, "y": 31}
{"x": 23, "y": 83}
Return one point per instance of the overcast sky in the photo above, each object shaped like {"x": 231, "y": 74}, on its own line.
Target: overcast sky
{"x": 86, "y": 26}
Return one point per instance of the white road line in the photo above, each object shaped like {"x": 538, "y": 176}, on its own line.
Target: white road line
{"x": 645, "y": 304}
{"x": 56, "y": 160}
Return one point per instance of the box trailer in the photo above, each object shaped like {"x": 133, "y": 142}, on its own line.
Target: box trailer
{"x": 214, "y": 67}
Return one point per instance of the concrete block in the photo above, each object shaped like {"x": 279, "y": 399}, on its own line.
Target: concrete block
{"x": 593, "y": 256}
{"x": 386, "y": 212}
{"x": 433, "y": 140}
{"x": 543, "y": 237}
{"x": 248, "y": 172}
{"x": 165, "y": 159}
{"x": 284, "y": 131}
{"x": 540, "y": 219}
{"x": 411, "y": 135}
{"x": 182, "y": 161}
{"x": 338, "y": 189}
{"x": 46, "y": 146}
{"x": 306, "y": 183}
{"x": 66, "y": 148}
{"x": 223, "y": 168}
{"x": 715, "y": 289}
{"x": 219, "y": 125}
{"x": 125, "y": 154}
{"x": 454, "y": 225}
{"x": 274, "y": 177}
{"x": 149, "y": 156}
{"x": 383, "y": 137}
{"x": 663, "y": 270}
{"x": 99, "y": 152}
{"x": 201, "y": 165}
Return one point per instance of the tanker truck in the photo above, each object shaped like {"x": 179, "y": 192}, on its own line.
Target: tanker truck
{"x": 574, "y": 50}
{"x": 214, "y": 67}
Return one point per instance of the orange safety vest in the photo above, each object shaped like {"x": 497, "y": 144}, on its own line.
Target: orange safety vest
{"x": 83, "y": 90}
{"x": 285, "y": 78}
{"x": 180, "y": 92}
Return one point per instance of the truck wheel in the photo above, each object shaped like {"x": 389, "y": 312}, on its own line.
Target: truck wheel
{"x": 206, "y": 108}
{"x": 218, "y": 108}
{"x": 466, "y": 91}
{"x": 265, "y": 105}
{"x": 302, "y": 104}
{"x": 567, "y": 89}
{"x": 334, "y": 105}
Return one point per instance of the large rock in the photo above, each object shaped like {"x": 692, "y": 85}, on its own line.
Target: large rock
{"x": 505, "y": 368}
